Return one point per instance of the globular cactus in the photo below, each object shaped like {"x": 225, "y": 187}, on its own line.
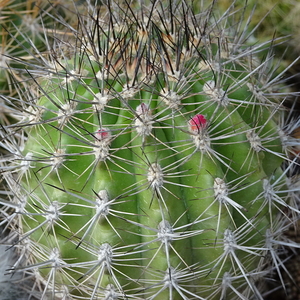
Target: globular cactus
{"x": 146, "y": 159}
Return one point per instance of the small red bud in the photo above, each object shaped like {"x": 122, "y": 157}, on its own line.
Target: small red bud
{"x": 103, "y": 134}
{"x": 197, "y": 122}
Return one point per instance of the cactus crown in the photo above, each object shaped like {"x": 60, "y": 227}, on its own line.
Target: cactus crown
{"x": 145, "y": 162}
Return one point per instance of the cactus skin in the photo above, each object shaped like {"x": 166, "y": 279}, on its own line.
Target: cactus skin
{"x": 151, "y": 166}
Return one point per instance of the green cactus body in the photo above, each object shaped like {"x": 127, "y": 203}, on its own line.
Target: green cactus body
{"x": 149, "y": 162}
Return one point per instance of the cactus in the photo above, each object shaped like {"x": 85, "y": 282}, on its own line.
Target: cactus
{"x": 146, "y": 158}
